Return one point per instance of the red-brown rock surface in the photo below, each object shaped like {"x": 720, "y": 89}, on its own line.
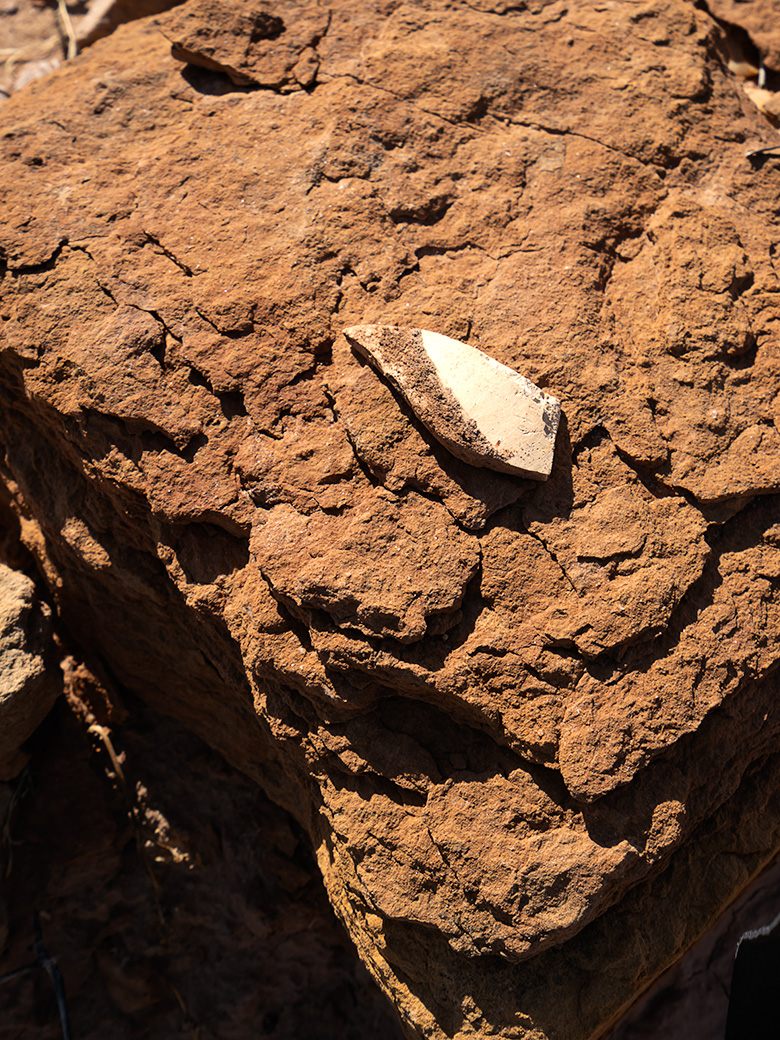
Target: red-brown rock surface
{"x": 519, "y": 721}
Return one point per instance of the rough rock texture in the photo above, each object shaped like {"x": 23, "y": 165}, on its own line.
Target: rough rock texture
{"x": 252, "y": 44}
{"x": 518, "y": 721}
{"x": 30, "y": 679}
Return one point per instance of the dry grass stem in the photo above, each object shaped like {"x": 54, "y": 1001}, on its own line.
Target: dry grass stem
{"x": 67, "y": 25}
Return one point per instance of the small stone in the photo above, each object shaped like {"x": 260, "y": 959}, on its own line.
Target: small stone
{"x": 30, "y": 678}
{"x": 251, "y": 45}
{"x": 482, "y": 411}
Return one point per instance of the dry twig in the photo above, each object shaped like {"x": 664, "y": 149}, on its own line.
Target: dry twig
{"x": 67, "y": 25}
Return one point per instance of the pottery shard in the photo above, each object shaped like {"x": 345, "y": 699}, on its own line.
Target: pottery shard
{"x": 482, "y": 411}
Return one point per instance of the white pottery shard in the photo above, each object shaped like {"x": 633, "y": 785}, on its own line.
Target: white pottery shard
{"x": 482, "y": 411}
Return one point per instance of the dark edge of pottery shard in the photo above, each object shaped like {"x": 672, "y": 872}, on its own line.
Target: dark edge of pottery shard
{"x": 484, "y": 412}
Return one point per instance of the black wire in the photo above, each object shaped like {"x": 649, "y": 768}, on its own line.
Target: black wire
{"x": 46, "y": 961}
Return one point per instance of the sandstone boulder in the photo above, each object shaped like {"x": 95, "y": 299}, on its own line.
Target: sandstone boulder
{"x": 30, "y": 679}
{"x": 519, "y": 720}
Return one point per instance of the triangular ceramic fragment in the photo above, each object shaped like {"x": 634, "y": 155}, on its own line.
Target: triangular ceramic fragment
{"x": 482, "y": 411}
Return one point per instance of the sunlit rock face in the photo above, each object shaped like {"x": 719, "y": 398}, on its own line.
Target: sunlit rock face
{"x": 519, "y": 718}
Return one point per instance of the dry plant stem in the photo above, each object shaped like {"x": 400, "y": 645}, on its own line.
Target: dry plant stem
{"x": 67, "y": 25}
{"x": 188, "y": 1020}
{"x": 105, "y": 736}
{"x": 44, "y": 959}
{"x": 12, "y": 55}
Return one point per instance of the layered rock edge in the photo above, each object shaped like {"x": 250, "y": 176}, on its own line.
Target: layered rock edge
{"x": 512, "y": 717}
